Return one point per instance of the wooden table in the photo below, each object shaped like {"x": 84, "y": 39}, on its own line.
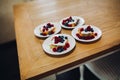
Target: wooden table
{"x": 33, "y": 61}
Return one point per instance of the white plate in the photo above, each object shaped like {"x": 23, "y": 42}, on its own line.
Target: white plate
{"x": 96, "y": 30}
{"x": 47, "y": 42}
{"x": 81, "y": 22}
{"x": 37, "y": 30}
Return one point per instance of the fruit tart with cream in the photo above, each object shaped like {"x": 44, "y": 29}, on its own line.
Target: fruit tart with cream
{"x": 59, "y": 43}
{"x": 47, "y": 29}
{"x": 70, "y": 21}
{"x": 86, "y": 33}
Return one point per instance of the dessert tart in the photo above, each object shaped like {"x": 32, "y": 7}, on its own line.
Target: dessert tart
{"x": 86, "y": 33}
{"x": 70, "y": 22}
{"x": 47, "y": 29}
{"x": 59, "y": 43}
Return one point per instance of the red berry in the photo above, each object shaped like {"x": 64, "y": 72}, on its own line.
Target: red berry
{"x": 65, "y": 48}
{"x": 56, "y": 40}
{"x": 80, "y": 37}
{"x": 81, "y": 29}
{"x": 43, "y": 30}
{"x": 86, "y": 38}
{"x": 77, "y": 35}
{"x": 64, "y": 21}
{"x": 52, "y": 25}
{"x": 48, "y": 24}
{"x": 70, "y": 18}
{"x": 54, "y": 49}
{"x": 92, "y": 37}
{"x": 67, "y": 19}
{"x": 69, "y": 25}
{"x": 46, "y": 29}
{"x": 67, "y": 45}
{"x": 88, "y": 28}
{"x": 95, "y": 34}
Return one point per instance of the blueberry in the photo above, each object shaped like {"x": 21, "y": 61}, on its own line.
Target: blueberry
{"x": 92, "y": 30}
{"x": 66, "y": 24}
{"x": 60, "y": 49}
{"x": 62, "y": 36}
{"x": 86, "y": 30}
{"x": 62, "y": 40}
{"x": 66, "y": 38}
{"x": 40, "y": 33}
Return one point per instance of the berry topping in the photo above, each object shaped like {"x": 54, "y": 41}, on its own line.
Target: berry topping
{"x": 81, "y": 29}
{"x": 88, "y": 28}
{"x": 67, "y": 45}
{"x": 70, "y": 22}
{"x": 86, "y": 33}
{"x": 65, "y": 48}
{"x": 43, "y": 30}
{"x": 60, "y": 43}
{"x": 95, "y": 34}
{"x": 54, "y": 49}
{"x": 47, "y": 29}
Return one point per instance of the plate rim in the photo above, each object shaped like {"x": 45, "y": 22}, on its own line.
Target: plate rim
{"x": 59, "y": 53}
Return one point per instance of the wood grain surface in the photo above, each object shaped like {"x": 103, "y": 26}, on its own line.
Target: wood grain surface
{"x": 34, "y": 62}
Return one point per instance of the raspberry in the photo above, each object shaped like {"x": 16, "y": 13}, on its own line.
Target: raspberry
{"x": 43, "y": 30}
{"x": 54, "y": 49}
{"x": 69, "y": 25}
{"x": 56, "y": 41}
{"x": 95, "y": 34}
{"x": 92, "y": 37}
{"x": 86, "y": 38}
{"x": 51, "y": 25}
{"x": 67, "y": 45}
{"x": 89, "y": 28}
{"x": 65, "y": 48}
{"x": 80, "y": 37}
{"x": 81, "y": 29}
{"x": 46, "y": 29}
{"x": 77, "y": 35}
{"x": 48, "y": 24}
{"x": 70, "y": 18}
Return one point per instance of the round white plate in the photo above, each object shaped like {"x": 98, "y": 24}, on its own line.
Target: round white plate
{"x": 47, "y": 42}
{"x": 37, "y": 30}
{"x": 96, "y": 30}
{"x": 81, "y": 22}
